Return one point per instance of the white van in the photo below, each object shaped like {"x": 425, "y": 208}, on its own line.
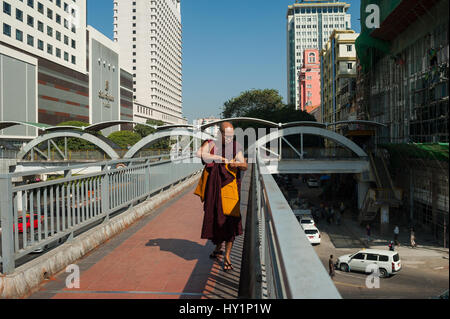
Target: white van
{"x": 388, "y": 262}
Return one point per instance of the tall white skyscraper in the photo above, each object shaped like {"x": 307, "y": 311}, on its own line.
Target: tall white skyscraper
{"x": 309, "y": 24}
{"x": 149, "y": 35}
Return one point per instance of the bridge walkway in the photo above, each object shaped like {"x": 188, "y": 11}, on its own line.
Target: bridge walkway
{"x": 159, "y": 257}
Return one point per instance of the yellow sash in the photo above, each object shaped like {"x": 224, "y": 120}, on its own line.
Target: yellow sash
{"x": 230, "y": 193}
{"x": 230, "y": 197}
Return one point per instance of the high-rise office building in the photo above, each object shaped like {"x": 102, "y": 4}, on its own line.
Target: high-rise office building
{"x": 149, "y": 37}
{"x": 309, "y": 24}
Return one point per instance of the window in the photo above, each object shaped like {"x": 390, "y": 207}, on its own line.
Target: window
{"x": 66, "y": 56}
{"x": 49, "y": 49}
{"x": 30, "y": 3}
{"x": 30, "y": 21}
{"x": 6, "y": 29}
{"x": 40, "y": 8}
{"x": 349, "y": 48}
{"x": 73, "y": 59}
{"x": 396, "y": 257}
{"x": 40, "y": 45}
{"x": 73, "y": 44}
{"x": 58, "y": 52}
{"x": 359, "y": 256}
{"x": 372, "y": 257}
{"x": 19, "y": 35}
{"x": 40, "y": 26}
{"x": 58, "y": 18}
{"x": 50, "y": 31}
{"x": 58, "y": 35}
{"x": 30, "y": 40}
{"x": 6, "y": 8}
{"x": 383, "y": 258}
{"x": 349, "y": 66}
{"x": 49, "y": 13}
{"x": 19, "y": 15}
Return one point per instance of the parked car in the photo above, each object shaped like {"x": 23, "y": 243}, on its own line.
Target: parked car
{"x": 388, "y": 262}
{"x": 312, "y": 233}
{"x": 306, "y": 220}
{"x": 28, "y": 222}
{"x": 312, "y": 182}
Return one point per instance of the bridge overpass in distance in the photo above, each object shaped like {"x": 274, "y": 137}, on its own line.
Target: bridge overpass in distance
{"x": 132, "y": 214}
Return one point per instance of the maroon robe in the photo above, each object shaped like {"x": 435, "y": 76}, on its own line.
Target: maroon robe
{"x": 218, "y": 227}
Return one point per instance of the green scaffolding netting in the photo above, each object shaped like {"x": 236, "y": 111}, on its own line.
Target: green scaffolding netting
{"x": 368, "y": 47}
{"x": 400, "y": 153}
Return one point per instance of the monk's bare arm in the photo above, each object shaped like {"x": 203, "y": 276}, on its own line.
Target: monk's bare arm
{"x": 204, "y": 153}
{"x": 239, "y": 162}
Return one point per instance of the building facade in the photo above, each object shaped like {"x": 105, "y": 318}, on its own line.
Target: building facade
{"x": 406, "y": 82}
{"x": 403, "y": 84}
{"x": 309, "y": 24}
{"x": 150, "y": 40}
{"x": 338, "y": 75}
{"x": 78, "y": 73}
{"x": 310, "y": 81}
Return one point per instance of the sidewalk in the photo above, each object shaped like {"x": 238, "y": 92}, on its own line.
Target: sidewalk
{"x": 424, "y": 241}
{"x": 159, "y": 257}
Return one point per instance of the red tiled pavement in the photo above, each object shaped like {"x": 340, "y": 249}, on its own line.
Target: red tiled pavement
{"x": 164, "y": 257}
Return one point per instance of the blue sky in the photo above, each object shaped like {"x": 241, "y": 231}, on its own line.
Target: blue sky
{"x": 228, "y": 47}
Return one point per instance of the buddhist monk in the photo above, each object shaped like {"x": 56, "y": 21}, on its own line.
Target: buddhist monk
{"x": 221, "y": 156}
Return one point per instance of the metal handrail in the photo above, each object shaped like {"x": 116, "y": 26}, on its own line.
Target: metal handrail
{"x": 56, "y": 210}
{"x": 289, "y": 265}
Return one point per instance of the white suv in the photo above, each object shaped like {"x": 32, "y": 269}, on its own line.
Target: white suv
{"x": 388, "y": 262}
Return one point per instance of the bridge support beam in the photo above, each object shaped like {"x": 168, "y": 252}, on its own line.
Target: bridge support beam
{"x": 384, "y": 219}
{"x": 362, "y": 189}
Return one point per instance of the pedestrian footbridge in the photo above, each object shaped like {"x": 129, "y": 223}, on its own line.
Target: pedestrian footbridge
{"x": 130, "y": 228}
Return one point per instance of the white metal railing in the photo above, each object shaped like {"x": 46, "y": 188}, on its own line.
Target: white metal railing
{"x": 288, "y": 265}
{"x": 38, "y": 214}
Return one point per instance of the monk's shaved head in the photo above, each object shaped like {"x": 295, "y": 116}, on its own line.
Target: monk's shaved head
{"x": 225, "y": 125}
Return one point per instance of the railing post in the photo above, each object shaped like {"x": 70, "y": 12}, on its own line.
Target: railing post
{"x": 105, "y": 190}
{"x": 6, "y": 215}
{"x": 147, "y": 177}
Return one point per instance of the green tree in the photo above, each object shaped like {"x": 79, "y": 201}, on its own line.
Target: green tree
{"x": 267, "y": 105}
{"x": 250, "y": 101}
{"x": 124, "y": 138}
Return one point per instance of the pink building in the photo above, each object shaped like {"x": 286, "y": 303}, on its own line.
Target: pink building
{"x": 310, "y": 81}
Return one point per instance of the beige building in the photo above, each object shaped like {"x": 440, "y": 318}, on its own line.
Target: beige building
{"x": 338, "y": 70}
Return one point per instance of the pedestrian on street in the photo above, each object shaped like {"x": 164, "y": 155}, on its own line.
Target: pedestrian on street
{"x": 322, "y": 211}
{"x": 224, "y": 160}
{"x": 332, "y": 214}
{"x": 396, "y": 232}
{"x": 413, "y": 238}
{"x": 331, "y": 266}
{"x": 342, "y": 208}
{"x": 368, "y": 232}
{"x": 338, "y": 217}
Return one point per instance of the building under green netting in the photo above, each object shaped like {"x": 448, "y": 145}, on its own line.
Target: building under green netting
{"x": 426, "y": 151}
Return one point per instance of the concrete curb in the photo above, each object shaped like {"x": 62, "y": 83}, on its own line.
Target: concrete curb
{"x": 28, "y": 277}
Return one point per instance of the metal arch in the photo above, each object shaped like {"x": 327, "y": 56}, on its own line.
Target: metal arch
{"x": 372, "y": 123}
{"x": 77, "y": 134}
{"x": 7, "y": 124}
{"x": 166, "y": 133}
{"x": 236, "y": 119}
{"x": 313, "y": 131}
{"x": 303, "y": 123}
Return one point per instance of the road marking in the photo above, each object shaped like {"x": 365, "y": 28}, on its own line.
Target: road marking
{"x": 348, "y": 275}
{"x": 346, "y": 284}
{"x": 437, "y": 268}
